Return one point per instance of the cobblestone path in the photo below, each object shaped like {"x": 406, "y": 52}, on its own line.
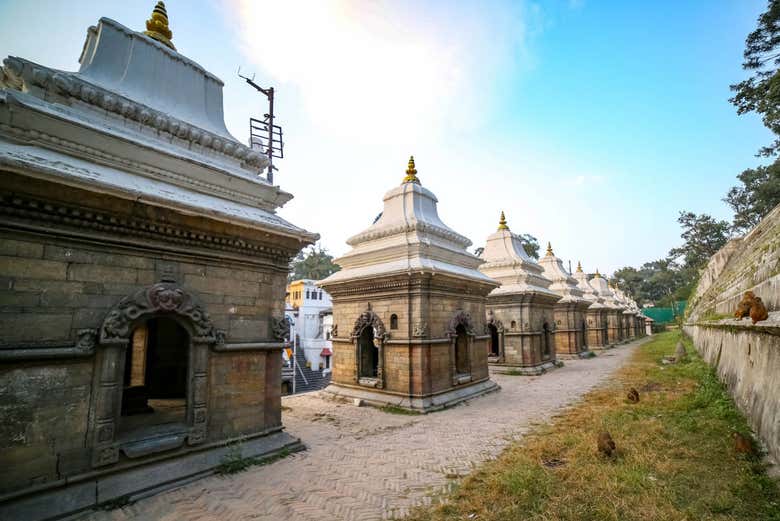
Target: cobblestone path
{"x": 365, "y": 464}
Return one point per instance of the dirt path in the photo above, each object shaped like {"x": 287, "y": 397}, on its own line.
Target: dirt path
{"x": 365, "y": 464}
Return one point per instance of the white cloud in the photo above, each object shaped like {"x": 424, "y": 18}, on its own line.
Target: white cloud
{"x": 379, "y": 71}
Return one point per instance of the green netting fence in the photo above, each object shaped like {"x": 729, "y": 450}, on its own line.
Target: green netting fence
{"x": 666, "y": 315}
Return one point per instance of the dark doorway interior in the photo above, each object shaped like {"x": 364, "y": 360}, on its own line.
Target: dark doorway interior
{"x": 155, "y": 379}
{"x": 546, "y": 340}
{"x": 494, "y": 347}
{"x": 369, "y": 354}
{"x": 461, "y": 350}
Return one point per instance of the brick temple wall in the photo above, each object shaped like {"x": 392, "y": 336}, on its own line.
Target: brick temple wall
{"x": 417, "y": 356}
{"x": 62, "y": 268}
{"x": 523, "y": 323}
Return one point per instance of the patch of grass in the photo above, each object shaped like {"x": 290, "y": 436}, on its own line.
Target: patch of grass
{"x": 394, "y": 409}
{"x": 675, "y": 458}
{"x": 515, "y": 372}
{"x": 712, "y": 316}
{"x": 234, "y": 461}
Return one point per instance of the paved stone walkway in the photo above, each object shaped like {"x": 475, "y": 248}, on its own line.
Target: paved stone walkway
{"x": 365, "y": 464}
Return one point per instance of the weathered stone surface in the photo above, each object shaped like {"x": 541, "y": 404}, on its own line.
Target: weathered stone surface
{"x": 745, "y": 356}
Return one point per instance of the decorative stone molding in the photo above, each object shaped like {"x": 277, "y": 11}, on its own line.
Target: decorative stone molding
{"x": 369, "y": 318}
{"x": 417, "y": 226}
{"x": 280, "y": 328}
{"x": 19, "y": 72}
{"x": 83, "y": 347}
{"x": 162, "y": 298}
{"x": 80, "y": 148}
{"x": 461, "y": 318}
{"x": 420, "y": 330}
{"x": 37, "y": 210}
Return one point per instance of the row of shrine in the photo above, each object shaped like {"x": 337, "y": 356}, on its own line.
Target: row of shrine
{"x": 422, "y": 319}
{"x": 144, "y": 270}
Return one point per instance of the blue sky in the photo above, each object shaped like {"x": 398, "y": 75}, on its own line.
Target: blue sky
{"x": 590, "y": 123}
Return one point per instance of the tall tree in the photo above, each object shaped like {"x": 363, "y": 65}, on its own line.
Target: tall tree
{"x": 755, "y": 197}
{"x": 761, "y": 92}
{"x": 530, "y": 245}
{"x": 630, "y": 280}
{"x": 703, "y": 236}
{"x": 314, "y": 263}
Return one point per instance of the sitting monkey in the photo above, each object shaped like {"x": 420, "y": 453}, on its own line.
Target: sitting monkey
{"x": 758, "y": 311}
{"x": 743, "y": 308}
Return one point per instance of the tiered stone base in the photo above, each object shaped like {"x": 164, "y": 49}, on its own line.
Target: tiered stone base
{"x": 131, "y": 484}
{"x": 424, "y": 404}
{"x": 533, "y": 370}
{"x": 575, "y": 356}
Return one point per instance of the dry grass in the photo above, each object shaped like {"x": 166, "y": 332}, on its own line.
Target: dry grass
{"x": 675, "y": 458}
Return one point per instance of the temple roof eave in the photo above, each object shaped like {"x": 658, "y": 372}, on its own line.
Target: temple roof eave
{"x": 60, "y": 168}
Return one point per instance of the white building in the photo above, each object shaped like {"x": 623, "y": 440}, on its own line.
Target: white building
{"x": 310, "y": 312}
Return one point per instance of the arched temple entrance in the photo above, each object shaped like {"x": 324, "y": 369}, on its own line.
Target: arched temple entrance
{"x": 369, "y": 337}
{"x": 153, "y": 354}
{"x": 461, "y": 350}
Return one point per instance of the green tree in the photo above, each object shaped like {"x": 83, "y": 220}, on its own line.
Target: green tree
{"x": 630, "y": 280}
{"x": 313, "y": 263}
{"x": 530, "y": 245}
{"x": 761, "y": 92}
{"x": 755, "y": 197}
{"x": 703, "y": 236}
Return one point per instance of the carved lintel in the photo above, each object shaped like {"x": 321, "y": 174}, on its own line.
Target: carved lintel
{"x": 163, "y": 298}
{"x": 370, "y": 319}
{"x": 461, "y": 318}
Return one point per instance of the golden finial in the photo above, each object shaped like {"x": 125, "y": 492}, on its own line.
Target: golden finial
{"x": 502, "y": 222}
{"x": 579, "y": 267}
{"x": 549, "y": 249}
{"x": 157, "y": 26}
{"x": 597, "y": 275}
{"x": 411, "y": 172}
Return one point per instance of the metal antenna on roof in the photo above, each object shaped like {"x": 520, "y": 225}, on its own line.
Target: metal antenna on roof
{"x": 264, "y": 134}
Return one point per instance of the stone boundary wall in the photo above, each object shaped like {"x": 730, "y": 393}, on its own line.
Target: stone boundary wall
{"x": 747, "y": 359}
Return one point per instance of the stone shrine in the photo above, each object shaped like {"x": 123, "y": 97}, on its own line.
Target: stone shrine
{"x": 596, "y": 313}
{"x": 145, "y": 271}
{"x": 520, "y": 313}
{"x": 570, "y": 326}
{"x": 409, "y": 309}
{"x": 614, "y": 309}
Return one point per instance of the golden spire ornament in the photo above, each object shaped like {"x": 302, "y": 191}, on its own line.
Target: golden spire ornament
{"x": 157, "y": 26}
{"x": 597, "y": 275}
{"x": 579, "y": 267}
{"x": 411, "y": 172}
{"x": 549, "y": 249}
{"x": 502, "y": 222}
